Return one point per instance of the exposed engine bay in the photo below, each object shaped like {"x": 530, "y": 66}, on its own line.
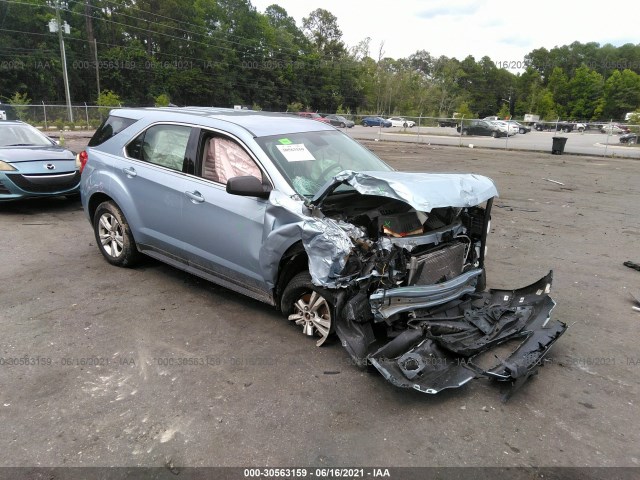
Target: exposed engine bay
{"x": 409, "y": 274}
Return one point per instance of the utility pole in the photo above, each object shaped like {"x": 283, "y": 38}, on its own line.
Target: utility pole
{"x": 95, "y": 51}
{"x": 59, "y": 27}
{"x": 93, "y": 45}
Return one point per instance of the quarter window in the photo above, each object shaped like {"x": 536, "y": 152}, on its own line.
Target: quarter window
{"x": 110, "y": 127}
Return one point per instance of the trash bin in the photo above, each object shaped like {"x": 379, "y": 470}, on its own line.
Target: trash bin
{"x": 558, "y": 145}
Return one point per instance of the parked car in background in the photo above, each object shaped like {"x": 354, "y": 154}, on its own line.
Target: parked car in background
{"x": 401, "y": 122}
{"x": 448, "y": 122}
{"x": 375, "y": 122}
{"x": 507, "y": 128}
{"x": 565, "y": 127}
{"x": 314, "y": 116}
{"x": 629, "y": 138}
{"x": 33, "y": 165}
{"x": 521, "y": 128}
{"x": 481, "y": 128}
{"x": 614, "y": 129}
{"x": 339, "y": 121}
{"x": 302, "y": 217}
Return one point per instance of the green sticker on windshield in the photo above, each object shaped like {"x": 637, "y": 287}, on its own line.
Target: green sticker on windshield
{"x": 285, "y": 141}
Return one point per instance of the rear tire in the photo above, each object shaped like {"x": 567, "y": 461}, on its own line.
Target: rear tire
{"x": 114, "y": 236}
{"x": 494, "y": 134}
{"x": 309, "y": 306}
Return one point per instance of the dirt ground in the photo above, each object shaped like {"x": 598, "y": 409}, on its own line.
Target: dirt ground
{"x": 103, "y": 386}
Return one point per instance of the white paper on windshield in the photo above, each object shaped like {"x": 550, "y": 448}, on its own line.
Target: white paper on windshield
{"x": 296, "y": 152}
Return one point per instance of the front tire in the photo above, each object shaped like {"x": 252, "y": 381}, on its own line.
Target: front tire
{"x": 494, "y": 134}
{"x": 114, "y": 236}
{"x": 309, "y": 306}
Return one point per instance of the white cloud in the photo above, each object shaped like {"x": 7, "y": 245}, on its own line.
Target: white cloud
{"x": 503, "y": 30}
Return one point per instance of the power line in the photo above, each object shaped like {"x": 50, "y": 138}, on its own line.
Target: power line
{"x": 188, "y": 32}
{"x": 264, "y": 49}
{"x": 255, "y": 84}
{"x": 185, "y": 23}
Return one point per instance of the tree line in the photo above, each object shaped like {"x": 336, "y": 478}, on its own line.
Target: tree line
{"x": 225, "y": 52}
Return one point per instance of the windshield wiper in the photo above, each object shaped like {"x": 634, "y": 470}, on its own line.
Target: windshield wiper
{"x": 21, "y": 145}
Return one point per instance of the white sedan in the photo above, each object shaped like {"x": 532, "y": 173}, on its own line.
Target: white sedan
{"x": 505, "y": 127}
{"x": 401, "y": 122}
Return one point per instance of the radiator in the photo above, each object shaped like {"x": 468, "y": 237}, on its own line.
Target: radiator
{"x": 438, "y": 265}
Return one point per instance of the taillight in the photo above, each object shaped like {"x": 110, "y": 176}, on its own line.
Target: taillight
{"x": 81, "y": 160}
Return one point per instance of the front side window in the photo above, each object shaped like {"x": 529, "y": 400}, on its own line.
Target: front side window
{"x": 164, "y": 145}
{"x": 224, "y": 158}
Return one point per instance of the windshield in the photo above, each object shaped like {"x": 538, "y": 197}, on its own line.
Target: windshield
{"x": 14, "y": 135}
{"x": 309, "y": 159}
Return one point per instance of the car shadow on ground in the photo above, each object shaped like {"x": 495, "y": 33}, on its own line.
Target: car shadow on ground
{"x": 35, "y": 206}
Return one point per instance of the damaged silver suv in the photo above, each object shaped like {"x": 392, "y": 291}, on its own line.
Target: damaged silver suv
{"x": 298, "y": 215}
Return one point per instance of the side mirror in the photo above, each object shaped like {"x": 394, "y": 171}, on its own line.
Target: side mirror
{"x": 247, "y": 186}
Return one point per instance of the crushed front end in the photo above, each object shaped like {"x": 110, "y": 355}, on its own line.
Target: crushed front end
{"x": 406, "y": 254}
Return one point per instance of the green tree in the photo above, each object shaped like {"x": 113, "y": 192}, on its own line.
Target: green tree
{"x": 621, "y": 94}
{"x": 464, "y": 111}
{"x": 545, "y": 106}
{"x": 107, "y": 99}
{"x": 162, "y": 100}
{"x": 504, "y": 111}
{"x": 19, "y": 102}
{"x": 559, "y": 87}
{"x": 585, "y": 93}
{"x": 321, "y": 27}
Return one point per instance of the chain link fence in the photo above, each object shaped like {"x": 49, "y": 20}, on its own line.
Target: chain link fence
{"x": 50, "y": 117}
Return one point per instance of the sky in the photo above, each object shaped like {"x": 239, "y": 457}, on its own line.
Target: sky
{"x": 503, "y": 30}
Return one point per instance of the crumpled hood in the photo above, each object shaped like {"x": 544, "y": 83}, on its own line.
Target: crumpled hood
{"x": 423, "y": 191}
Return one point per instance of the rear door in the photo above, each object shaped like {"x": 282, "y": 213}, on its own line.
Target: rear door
{"x": 156, "y": 177}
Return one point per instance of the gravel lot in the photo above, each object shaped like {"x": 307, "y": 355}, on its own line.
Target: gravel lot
{"x": 102, "y": 390}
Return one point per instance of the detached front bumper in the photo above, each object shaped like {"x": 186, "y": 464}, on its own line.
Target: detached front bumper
{"x": 387, "y": 303}
{"x": 502, "y": 335}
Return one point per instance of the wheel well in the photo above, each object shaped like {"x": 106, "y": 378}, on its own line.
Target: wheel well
{"x": 96, "y": 200}
{"x": 294, "y": 261}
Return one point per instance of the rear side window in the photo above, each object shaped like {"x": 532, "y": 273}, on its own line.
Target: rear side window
{"x": 110, "y": 127}
{"x": 164, "y": 145}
